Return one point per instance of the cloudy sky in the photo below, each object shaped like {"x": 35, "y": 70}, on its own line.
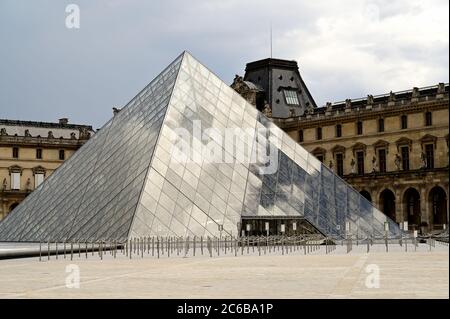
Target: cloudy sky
{"x": 345, "y": 48}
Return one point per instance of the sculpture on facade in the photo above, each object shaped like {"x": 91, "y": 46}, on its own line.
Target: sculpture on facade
{"x": 374, "y": 165}
{"x": 5, "y": 184}
{"x": 27, "y": 133}
{"x": 397, "y": 161}
{"x": 3, "y": 132}
{"x": 423, "y": 159}
{"x": 267, "y": 111}
{"x": 352, "y": 164}
{"x": 50, "y": 134}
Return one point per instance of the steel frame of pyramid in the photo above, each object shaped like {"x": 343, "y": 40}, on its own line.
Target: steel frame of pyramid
{"x": 126, "y": 182}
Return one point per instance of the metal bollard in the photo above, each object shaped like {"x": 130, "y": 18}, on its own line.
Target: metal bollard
{"x": 40, "y": 251}
{"x": 48, "y": 250}
{"x": 71, "y": 250}
{"x": 64, "y": 249}
{"x": 56, "y": 249}
{"x": 157, "y": 246}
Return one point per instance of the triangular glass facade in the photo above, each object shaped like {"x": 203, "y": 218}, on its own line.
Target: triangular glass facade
{"x": 130, "y": 180}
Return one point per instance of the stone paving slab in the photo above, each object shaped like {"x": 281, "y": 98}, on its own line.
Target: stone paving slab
{"x": 421, "y": 274}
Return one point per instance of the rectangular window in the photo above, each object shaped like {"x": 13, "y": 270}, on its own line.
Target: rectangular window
{"x": 360, "y": 162}
{"x": 429, "y": 152}
{"x": 359, "y": 128}
{"x": 62, "y": 155}
{"x": 338, "y": 130}
{"x": 319, "y": 133}
{"x": 382, "y": 160}
{"x": 405, "y": 158}
{"x": 428, "y": 119}
{"x": 38, "y": 179}
{"x": 404, "y": 122}
{"x": 15, "y": 152}
{"x": 320, "y": 158}
{"x": 291, "y": 97}
{"x": 15, "y": 181}
{"x": 381, "y": 125}
{"x": 340, "y": 164}
{"x": 300, "y": 136}
{"x": 39, "y": 153}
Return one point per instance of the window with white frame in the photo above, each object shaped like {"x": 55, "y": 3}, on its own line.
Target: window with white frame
{"x": 38, "y": 179}
{"x": 15, "y": 181}
{"x": 291, "y": 97}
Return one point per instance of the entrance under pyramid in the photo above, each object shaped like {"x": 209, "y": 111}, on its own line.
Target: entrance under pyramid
{"x": 134, "y": 178}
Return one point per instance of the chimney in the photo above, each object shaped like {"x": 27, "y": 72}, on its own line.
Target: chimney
{"x": 63, "y": 121}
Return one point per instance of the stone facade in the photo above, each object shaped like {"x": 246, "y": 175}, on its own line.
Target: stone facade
{"x": 393, "y": 148}
{"x": 30, "y": 152}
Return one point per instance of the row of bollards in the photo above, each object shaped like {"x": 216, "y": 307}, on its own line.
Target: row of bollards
{"x": 158, "y": 247}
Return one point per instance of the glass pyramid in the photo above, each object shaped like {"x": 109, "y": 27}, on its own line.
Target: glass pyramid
{"x": 132, "y": 178}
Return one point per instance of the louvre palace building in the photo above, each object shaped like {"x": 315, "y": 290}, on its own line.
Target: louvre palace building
{"x": 392, "y": 147}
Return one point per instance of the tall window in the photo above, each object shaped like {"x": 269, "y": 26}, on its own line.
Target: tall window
{"x": 380, "y": 125}
{"x": 405, "y": 157}
{"x": 404, "y": 122}
{"x": 15, "y": 180}
{"x": 38, "y": 179}
{"x": 291, "y": 97}
{"x": 428, "y": 119}
{"x": 15, "y": 152}
{"x": 338, "y": 130}
{"x": 39, "y": 153}
{"x": 340, "y": 164}
{"x": 429, "y": 152}
{"x": 359, "y": 128}
{"x": 360, "y": 162}
{"x": 319, "y": 133}
{"x": 62, "y": 155}
{"x": 300, "y": 136}
{"x": 382, "y": 160}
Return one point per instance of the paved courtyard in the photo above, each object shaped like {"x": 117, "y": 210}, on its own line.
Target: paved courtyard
{"x": 413, "y": 274}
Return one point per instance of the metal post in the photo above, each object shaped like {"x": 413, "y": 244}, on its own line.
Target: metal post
{"x": 71, "y": 250}
{"x": 56, "y": 248}
{"x": 194, "y": 246}
{"x": 157, "y": 246}
{"x": 64, "y": 249}
{"x": 201, "y": 244}
{"x": 48, "y": 250}
{"x": 40, "y": 251}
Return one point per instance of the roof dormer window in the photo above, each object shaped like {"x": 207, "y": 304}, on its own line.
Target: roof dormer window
{"x": 291, "y": 97}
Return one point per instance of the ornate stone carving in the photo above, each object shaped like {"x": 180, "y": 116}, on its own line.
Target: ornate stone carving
{"x": 115, "y": 110}
{"x": 374, "y": 165}
{"x": 423, "y": 159}
{"x": 27, "y": 133}
{"x": 4, "y": 184}
{"x": 397, "y": 161}
{"x": 352, "y": 164}
{"x": 392, "y": 97}
{"x": 50, "y": 134}
{"x": 291, "y": 112}
{"x": 267, "y": 111}
{"x": 84, "y": 134}
{"x": 28, "y": 184}
{"x": 3, "y": 132}
{"x": 369, "y": 99}
{"x": 73, "y": 136}
{"x": 348, "y": 103}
